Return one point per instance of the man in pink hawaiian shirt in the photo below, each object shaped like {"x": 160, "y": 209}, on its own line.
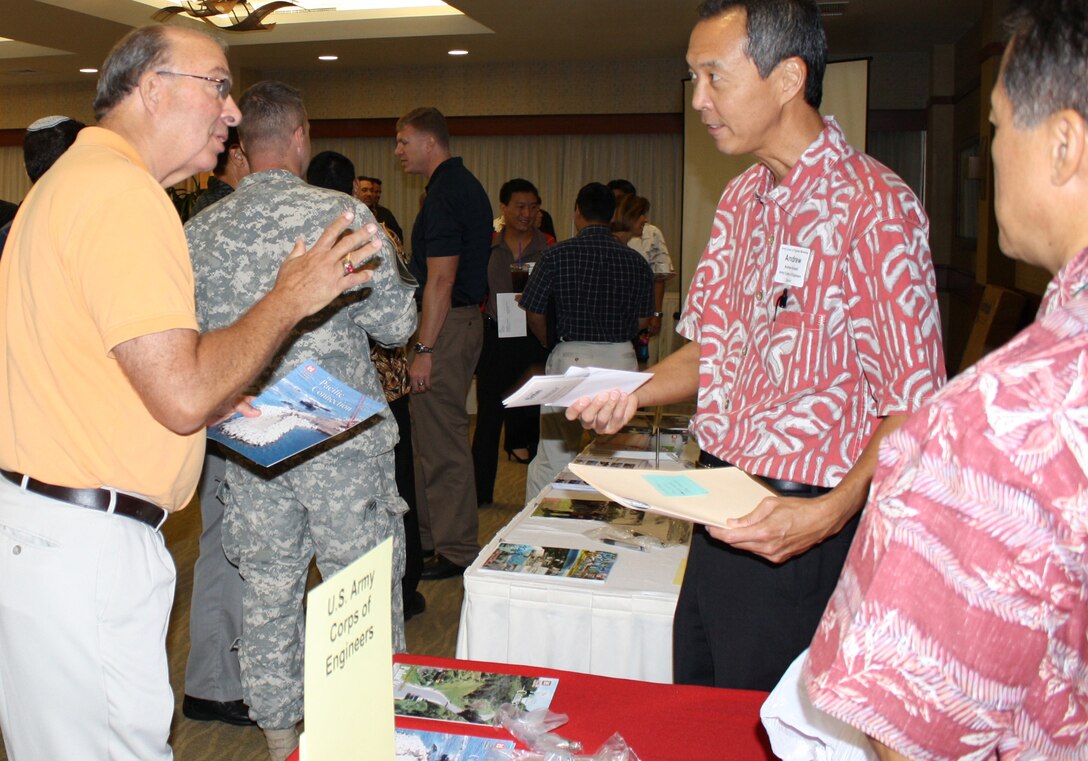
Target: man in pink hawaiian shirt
{"x": 959, "y": 628}
{"x": 814, "y": 331}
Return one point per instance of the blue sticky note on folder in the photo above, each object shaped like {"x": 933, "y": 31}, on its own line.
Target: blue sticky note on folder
{"x": 676, "y": 486}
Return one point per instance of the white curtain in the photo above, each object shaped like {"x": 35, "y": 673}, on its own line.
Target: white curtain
{"x": 558, "y": 165}
{"x": 13, "y": 180}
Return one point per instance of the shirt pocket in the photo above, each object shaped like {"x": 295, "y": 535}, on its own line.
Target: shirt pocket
{"x": 795, "y": 360}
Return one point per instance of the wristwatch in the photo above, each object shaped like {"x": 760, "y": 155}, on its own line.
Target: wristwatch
{"x": 421, "y": 349}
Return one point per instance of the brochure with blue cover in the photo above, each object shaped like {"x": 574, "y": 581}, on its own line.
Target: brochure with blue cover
{"x": 304, "y": 408}
{"x": 419, "y": 744}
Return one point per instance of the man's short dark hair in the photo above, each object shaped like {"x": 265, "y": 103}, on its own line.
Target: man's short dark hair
{"x": 596, "y": 203}
{"x": 429, "y": 120}
{"x": 1046, "y": 66}
{"x": 42, "y": 147}
{"x": 139, "y": 51}
{"x": 331, "y": 170}
{"x": 624, "y": 186}
{"x": 517, "y": 185}
{"x": 271, "y": 112}
{"x": 224, "y": 157}
{"x": 781, "y": 29}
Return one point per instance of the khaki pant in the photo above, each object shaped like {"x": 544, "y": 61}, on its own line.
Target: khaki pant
{"x": 445, "y": 485}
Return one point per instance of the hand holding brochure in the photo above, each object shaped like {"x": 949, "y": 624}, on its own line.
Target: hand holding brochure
{"x": 302, "y": 409}
{"x": 709, "y": 496}
{"x": 564, "y": 390}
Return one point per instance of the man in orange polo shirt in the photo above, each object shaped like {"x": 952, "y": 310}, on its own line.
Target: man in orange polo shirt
{"x": 109, "y": 386}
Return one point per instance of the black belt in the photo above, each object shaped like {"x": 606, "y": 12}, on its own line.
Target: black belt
{"x": 94, "y": 499}
{"x": 791, "y": 488}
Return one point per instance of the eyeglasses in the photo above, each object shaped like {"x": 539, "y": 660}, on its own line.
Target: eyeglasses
{"x": 222, "y": 86}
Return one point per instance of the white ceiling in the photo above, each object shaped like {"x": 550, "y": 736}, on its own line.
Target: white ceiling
{"x": 52, "y": 39}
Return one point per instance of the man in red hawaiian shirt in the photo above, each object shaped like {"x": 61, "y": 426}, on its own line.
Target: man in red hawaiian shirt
{"x": 959, "y": 628}
{"x": 814, "y": 332}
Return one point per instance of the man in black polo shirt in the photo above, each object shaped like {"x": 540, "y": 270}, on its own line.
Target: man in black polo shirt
{"x": 451, "y": 243}
{"x": 604, "y": 295}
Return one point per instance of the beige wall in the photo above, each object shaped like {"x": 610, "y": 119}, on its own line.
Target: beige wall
{"x": 22, "y": 104}
{"x": 648, "y": 86}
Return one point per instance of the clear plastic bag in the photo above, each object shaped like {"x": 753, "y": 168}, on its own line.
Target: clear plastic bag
{"x": 534, "y": 729}
{"x": 625, "y": 538}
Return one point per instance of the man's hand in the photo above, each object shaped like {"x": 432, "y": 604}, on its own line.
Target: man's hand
{"x": 309, "y": 279}
{"x": 420, "y": 373}
{"x": 654, "y": 325}
{"x": 243, "y": 407}
{"x": 783, "y": 527}
{"x": 607, "y": 412}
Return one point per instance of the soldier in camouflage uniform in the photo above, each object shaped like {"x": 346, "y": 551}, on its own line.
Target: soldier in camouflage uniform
{"x": 339, "y": 499}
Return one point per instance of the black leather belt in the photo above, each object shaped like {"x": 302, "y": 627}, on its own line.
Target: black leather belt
{"x": 105, "y": 500}
{"x": 790, "y": 488}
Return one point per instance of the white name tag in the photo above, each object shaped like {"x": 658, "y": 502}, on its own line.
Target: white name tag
{"x": 793, "y": 263}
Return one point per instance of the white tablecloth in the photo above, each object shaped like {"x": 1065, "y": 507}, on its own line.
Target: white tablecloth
{"x": 621, "y": 627}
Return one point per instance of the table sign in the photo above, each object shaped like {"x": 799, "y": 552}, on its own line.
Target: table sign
{"x": 349, "y": 647}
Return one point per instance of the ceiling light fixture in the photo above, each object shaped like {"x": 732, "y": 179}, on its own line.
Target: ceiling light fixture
{"x": 88, "y": 71}
{"x": 243, "y": 17}
{"x": 457, "y": 51}
{"x": 328, "y": 58}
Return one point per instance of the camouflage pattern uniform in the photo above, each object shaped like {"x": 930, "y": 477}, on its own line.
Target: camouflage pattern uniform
{"x": 340, "y": 500}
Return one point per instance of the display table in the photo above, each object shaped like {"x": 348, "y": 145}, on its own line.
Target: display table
{"x": 621, "y": 627}
{"x": 660, "y": 722}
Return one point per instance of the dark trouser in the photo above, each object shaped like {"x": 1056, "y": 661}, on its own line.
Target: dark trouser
{"x": 741, "y": 620}
{"x": 406, "y": 485}
{"x": 504, "y": 362}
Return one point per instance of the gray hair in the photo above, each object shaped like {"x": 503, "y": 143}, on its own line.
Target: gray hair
{"x": 1046, "y": 65}
{"x": 139, "y": 51}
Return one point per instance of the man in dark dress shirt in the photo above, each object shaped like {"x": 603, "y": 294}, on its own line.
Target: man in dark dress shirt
{"x": 451, "y": 245}
{"x": 369, "y": 191}
{"x": 603, "y": 293}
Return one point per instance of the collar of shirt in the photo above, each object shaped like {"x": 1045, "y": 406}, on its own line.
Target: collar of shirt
{"x": 269, "y": 175}
{"x": 1071, "y": 281}
{"x": 100, "y": 136}
{"x": 537, "y": 243}
{"x": 595, "y": 230}
{"x": 452, "y": 162}
{"x": 808, "y": 174}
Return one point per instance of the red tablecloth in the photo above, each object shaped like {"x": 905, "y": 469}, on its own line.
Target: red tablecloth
{"x": 660, "y": 722}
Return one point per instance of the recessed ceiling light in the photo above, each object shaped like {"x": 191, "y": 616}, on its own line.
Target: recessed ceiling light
{"x": 328, "y": 58}
{"x": 458, "y": 52}
{"x": 88, "y": 71}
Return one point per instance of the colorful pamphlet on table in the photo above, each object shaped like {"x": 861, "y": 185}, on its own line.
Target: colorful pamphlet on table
{"x": 302, "y": 409}
{"x": 429, "y": 692}
{"x": 593, "y": 565}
